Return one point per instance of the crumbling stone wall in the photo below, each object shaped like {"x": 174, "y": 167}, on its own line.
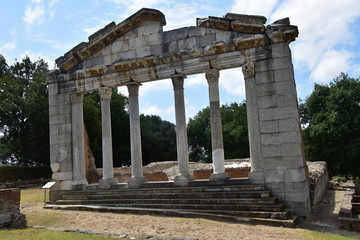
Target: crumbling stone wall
{"x": 10, "y": 216}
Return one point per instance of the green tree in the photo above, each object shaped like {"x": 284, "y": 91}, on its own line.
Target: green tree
{"x": 331, "y": 122}
{"x": 157, "y": 136}
{"x": 158, "y": 139}
{"x": 235, "y": 133}
{"x": 24, "y": 120}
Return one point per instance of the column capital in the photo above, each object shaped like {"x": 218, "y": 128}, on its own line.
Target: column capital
{"x": 178, "y": 81}
{"x": 212, "y": 75}
{"x": 133, "y": 89}
{"x": 105, "y": 93}
{"x": 77, "y": 97}
{"x": 248, "y": 70}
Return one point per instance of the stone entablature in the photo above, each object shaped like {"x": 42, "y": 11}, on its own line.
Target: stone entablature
{"x": 137, "y": 50}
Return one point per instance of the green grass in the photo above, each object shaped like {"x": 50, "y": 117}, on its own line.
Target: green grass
{"x": 43, "y": 234}
{"x": 11, "y": 173}
{"x": 32, "y": 195}
{"x": 312, "y": 235}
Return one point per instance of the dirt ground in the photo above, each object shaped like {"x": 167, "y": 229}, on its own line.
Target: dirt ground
{"x": 134, "y": 225}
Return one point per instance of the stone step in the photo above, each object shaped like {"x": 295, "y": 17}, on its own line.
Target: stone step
{"x": 237, "y": 188}
{"x": 269, "y": 200}
{"x": 171, "y": 195}
{"x": 254, "y": 214}
{"x": 177, "y": 213}
{"x": 238, "y": 207}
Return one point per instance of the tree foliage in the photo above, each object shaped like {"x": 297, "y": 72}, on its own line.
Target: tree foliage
{"x": 157, "y": 136}
{"x": 331, "y": 120}
{"x": 24, "y": 120}
{"x": 235, "y": 133}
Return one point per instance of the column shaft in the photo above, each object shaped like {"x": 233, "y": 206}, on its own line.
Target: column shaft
{"x": 135, "y": 137}
{"x": 107, "y": 151}
{"x": 78, "y": 138}
{"x": 218, "y": 156}
{"x": 181, "y": 133}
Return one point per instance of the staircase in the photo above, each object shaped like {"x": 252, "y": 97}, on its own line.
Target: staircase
{"x": 234, "y": 200}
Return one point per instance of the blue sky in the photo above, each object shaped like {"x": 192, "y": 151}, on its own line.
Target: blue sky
{"x": 328, "y": 43}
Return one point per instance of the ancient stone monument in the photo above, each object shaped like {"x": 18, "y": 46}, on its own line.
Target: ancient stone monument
{"x": 137, "y": 50}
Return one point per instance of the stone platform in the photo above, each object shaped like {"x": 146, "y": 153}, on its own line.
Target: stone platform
{"x": 235, "y": 200}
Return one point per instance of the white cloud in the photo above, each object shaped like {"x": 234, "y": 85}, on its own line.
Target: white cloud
{"x": 34, "y": 56}
{"x": 98, "y": 26}
{"x": 331, "y": 64}
{"x": 254, "y": 7}
{"x": 325, "y": 35}
{"x": 34, "y": 15}
{"x": 232, "y": 81}
{"x": 152, "y": 87}
{"x": 195, "y": 80}
{"x": 151, "y": 109}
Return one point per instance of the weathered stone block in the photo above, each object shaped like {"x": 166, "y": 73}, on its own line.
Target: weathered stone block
{"x": 265, "y": 77}
{"x": 287, "y": 101}
{"x": 188, "y": 43}
{"x": 295, "y": 175}
{"x": 291, "y": 149}
{"x": 59, "y": 176}
{"x": 290, "y": 124}
{"x": 279, "y": 50}
{"x": 269, "y": 127}
{"x": 269, "y": 101}
{"x": 156, "y": 50}
{"x": 143, "y": 52}
{"x": 205, "y": 40}
{"x": 239, "y": 26}
{"x": 269, "y": 114}
{"x": 154, "y": 27}
{"x": 55, "y": 167}
{"x": 196, "y": 31}
{"x": 270, "y": 138}
{"x": 290, "y": 137}
{"x": 275, "y": 176}
{"x": 282, "y": 75}
{"x": 66, "y": 165}
{"x": 271, "y": 151}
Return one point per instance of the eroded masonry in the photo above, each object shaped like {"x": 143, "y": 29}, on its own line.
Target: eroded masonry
{"x": 137, "y": 50}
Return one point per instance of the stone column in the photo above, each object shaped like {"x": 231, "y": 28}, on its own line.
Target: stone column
{"x": 218, "y": 156}
{"x": 181, "y": 135}
{"x": 256, "y": 174}
{"x": 135, "y": 138}
{"x": 107, "y": 154}
{"x": 78, "y": 139}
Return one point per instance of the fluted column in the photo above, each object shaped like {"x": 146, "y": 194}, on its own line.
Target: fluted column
{"x": 135, "y": 138}
{"x": 78, "y": 139}
{"x": 181, "y": 134}
{"x": 217, "y": 146}
{"x": 107, "y": 151}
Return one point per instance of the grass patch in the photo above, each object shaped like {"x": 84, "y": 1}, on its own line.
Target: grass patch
{"x": 43, "y": 234}
{"x": 312, "y": 235}
{"x": 32, "y": 195}
{"x": 13, "y": 173}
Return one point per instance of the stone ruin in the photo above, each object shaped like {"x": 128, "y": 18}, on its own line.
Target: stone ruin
{"x": 10, "y": 216}
{"x": 137, "y": 50}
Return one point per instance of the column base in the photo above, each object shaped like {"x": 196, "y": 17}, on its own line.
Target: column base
{"x": 106, "y": 183}
{"x": 215, "y": 177}
{"x": 78, "y": 184}
{"x": 183, "y": 180}
{"x": 135, "y": 182}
